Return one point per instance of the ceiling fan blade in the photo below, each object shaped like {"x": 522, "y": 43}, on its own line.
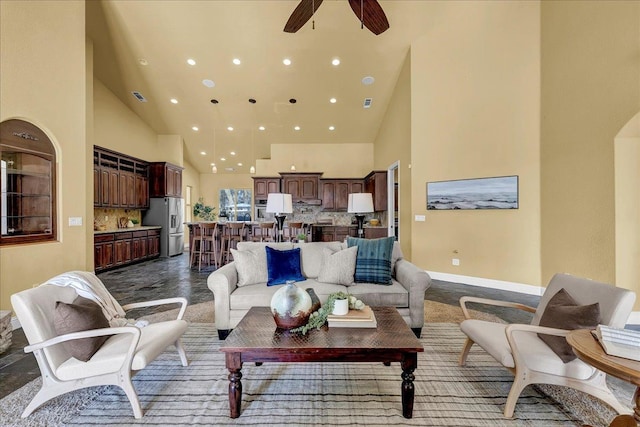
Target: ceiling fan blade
{"x": 371, "y": 14}
{"x": 302, "y": 13}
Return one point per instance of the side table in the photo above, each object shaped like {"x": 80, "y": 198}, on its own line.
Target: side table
{"x": 590, "y": 351}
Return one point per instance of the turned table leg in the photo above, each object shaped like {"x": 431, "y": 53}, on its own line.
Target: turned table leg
{"x": 409, "y": 364}
{"x": 234, "y": 365}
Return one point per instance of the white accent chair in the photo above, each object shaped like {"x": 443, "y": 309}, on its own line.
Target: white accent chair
{"x": 128, "y": 349}
{"x": 518, "y": 348}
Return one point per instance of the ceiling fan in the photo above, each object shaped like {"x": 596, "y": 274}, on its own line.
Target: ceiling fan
{"x": 369, "y": 12}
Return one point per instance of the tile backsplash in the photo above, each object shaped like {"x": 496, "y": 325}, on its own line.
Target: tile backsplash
{"x": 109, "y": 217}
{"x": 317, "y": 214}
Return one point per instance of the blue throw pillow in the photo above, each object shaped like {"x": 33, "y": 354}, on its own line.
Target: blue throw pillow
{"x": 373, "y": 263}
{"x": 283, "y": 266}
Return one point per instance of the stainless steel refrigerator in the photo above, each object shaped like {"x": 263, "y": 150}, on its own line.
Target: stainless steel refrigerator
{"x": 167, "y": 212}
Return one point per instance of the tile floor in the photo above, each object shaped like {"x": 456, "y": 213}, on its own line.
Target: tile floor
{"x": 166, "y": 277}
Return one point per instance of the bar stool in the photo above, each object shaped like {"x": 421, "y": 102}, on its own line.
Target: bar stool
{"x": 210, "y": 241}
{"x": 295, "y": 228}
{"x": 265, "y": 234}
{"x": 195, "y": 248}
{"x": 233, "y": 233}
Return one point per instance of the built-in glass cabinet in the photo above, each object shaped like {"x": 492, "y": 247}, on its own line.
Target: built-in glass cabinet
{"x": 27, "y": 181}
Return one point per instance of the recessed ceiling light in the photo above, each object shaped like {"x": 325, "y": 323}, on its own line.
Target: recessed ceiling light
{"x": 239, "y": 164}
{"x": 368, "y": 80}
{"x": 293, "y": 101}
{"x": 233, "y": 153}
{"x": 204, "y": 153}
{"x": 223, "y": 159}
{"x": 251, "y": 100}
{"x": 208, "y": 83}
{"x": 214, "y": 101}
{"x": 237, "y": 61}
{"x": 261, "y": 128}
{"x": 230, "y": 128}
{"x": 333, "y": 100}
{"x": 286, "y": 61}
{"x": 296, "y": 128}
{"x": 213, "y": 164}
{"x": 174, "y": 101}
{"x": 143, "y": 61}
{"x": 191, "y": 61}
{"x": 335, "y": 61}
{"x": 195, "y": 128}
{"x": 332, "y": 128}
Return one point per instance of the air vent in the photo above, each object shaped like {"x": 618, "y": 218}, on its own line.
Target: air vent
{"x": 367, "y": 103}
{"x": 139, "y": 96}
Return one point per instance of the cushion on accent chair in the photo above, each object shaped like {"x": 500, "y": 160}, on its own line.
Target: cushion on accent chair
{"x": 283, "y": 266}
{"x": 563, "y": 312}
{"x": 81, "y": 315}
{"x": 338, "y": 266}
{"x": 373, "y": 263}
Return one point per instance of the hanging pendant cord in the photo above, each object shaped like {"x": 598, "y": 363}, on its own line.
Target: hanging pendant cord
{"x": 313, "y": 11}
{"x": 361, "y": 14}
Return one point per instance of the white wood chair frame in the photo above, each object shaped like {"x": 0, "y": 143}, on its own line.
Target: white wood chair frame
{"x": 53, "y": 386}
{"x": 523, "y": 376}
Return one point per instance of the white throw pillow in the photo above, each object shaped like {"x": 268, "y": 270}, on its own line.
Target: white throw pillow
{"x": 251, "y": 266}
{"x": 338, "y": 266}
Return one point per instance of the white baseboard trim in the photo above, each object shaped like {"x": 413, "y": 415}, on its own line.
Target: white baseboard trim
{"x": 634, "y": 317}
{"x": 488, "y": 283}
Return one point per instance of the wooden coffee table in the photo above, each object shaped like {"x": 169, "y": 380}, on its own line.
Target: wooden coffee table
{"x": 256, "y": 339}
{"x": 590, "y": 351}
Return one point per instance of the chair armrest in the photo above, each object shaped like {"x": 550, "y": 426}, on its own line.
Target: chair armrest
{"x": 222, "y": 283}
{"x": 416, "y": 281}
{"x": 176, "y": 300}
{"x": 516, "y": 327}
{"x": 85, "y": 334}
{"x": 465, "y": 300}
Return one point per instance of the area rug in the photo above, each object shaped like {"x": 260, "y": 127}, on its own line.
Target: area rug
{"x": 324, "y": 394}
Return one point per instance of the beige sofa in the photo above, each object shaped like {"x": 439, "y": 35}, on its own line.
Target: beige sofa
{"x": 232, "y": 302}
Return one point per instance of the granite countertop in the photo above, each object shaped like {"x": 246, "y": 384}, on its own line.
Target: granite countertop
{"x": 349, "y": 225}
{"x": 125, "y": 230}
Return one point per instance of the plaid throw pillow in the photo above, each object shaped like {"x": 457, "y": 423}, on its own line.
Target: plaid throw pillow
{"x": 373, "y": 263}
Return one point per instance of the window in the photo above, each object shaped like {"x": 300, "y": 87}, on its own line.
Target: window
{"x": 27, "y": 183}
{"x": 235, "y": 204}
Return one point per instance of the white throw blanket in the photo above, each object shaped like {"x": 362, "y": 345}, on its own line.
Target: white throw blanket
{"x": 88, "y": 285}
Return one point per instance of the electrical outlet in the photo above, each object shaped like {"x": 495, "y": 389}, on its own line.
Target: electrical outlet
{"x": 75, "y": 221}
{"x": 455, "y": 261}
{"x": 420, "y": 218}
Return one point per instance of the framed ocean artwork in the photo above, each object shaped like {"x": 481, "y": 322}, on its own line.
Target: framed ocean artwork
{"x": 479, "y": 193}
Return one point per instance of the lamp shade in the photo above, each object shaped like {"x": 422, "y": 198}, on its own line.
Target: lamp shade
{"x": 360, "y": 203}
{"x": 279, "y": 203}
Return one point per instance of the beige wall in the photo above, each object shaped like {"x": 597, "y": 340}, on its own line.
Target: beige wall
{"x": 475, "y": 112}
{"x": 393, "y": 143}
{"x": 43, "y": 81}
{"x": 590, "y": 89}
{"x": 627, "y": 203}
{"x": 335, "y": 160}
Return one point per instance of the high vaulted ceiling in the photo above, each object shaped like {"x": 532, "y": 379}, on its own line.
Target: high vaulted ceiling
{"x": 164, "y": 34}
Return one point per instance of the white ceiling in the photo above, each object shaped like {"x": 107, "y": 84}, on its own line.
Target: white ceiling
{"x": 166, "y": 33}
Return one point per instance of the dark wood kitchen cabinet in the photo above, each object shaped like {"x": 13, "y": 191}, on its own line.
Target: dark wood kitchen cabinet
{"x": 124, "y": 247}
{"x": 303, "y": 187}
{"x": 262, "y": 186}
{"x": 119, "y": 181}
{"x": 165, "y": 180}
{"x": 376, "y": 184}
{"x": 335, "y": 193}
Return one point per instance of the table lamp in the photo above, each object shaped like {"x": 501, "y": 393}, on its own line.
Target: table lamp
{"x": 360, "y": 203}
{"x": 278, "y": 204}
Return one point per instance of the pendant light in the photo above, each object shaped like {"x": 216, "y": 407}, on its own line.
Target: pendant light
{"x": 252, "y": 169}
{"x": 214, "y": 169}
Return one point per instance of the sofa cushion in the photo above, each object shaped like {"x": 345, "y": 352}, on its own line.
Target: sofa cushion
{"x": 563, "y": 312}
{"x": 311, "y": 256}
{"x": 373, "y": 294}
{"x": 81, "y": 315}
{"x": 338, "y": 266}
{"x": 260, "y": 295}
{"x": 283, "y": 266}
{"x": 251, "y": 266}
{"x": 373, "y": 263}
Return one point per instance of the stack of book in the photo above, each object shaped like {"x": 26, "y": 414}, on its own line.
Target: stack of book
{"x": 619, "y": 342}
{"x": 354, "y": 319}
